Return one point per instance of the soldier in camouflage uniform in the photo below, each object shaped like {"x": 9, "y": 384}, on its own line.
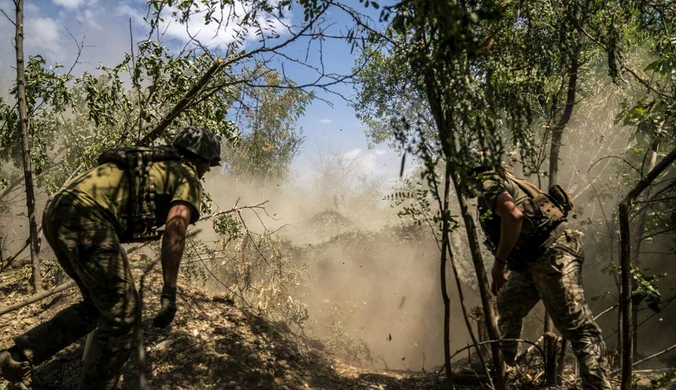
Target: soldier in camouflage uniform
{"x": 85, "y": 224}
{"x": 538, "y": 256}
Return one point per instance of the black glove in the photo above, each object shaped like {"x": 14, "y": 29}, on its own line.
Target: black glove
{"x": 167, "y": 309}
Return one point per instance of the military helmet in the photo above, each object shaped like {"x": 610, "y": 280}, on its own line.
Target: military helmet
{"x": 200, "y": 142}
{"x": 477, "y": 162}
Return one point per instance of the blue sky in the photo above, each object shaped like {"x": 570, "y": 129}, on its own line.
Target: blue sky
{"x": 105, "y": 26}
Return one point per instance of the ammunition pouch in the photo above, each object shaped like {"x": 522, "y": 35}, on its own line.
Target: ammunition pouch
{"x": 561, "y": 197}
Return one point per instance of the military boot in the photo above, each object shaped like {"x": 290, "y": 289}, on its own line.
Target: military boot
{"x": 16, "y": 370}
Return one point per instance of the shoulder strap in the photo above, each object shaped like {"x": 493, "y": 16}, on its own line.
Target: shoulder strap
{"x": 123, "y": 154}
{"x": 529, "y": 188}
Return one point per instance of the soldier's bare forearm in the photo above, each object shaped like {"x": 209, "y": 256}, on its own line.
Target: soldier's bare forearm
{"x": 511, "y": 219}
{"x": 510, "y": 229}
{"x": 173, "y": 242}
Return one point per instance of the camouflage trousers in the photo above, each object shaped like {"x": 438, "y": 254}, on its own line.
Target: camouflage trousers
{"x": 90, "y": 253}
{"x": 556, "y": 278}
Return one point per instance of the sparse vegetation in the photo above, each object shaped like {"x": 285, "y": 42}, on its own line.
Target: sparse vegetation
{"x": 341, "y": 282}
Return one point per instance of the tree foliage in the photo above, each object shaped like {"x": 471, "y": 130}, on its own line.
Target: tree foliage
{"x": 272, "y": 138}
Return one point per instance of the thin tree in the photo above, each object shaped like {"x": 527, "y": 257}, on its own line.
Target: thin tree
{"x": 625, "y": 267}
{"x": 26, "y": 149}
{"x": 557, "y": 135}
{"x": 637, "y": 241}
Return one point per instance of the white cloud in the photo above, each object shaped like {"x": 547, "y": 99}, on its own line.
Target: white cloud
{"x": 69, "y": 3}
{"x": 367, "y": 164}
{"x": 380, "y": 152}
{"x": 44, "y": 33}
{"x": 133, "y": 13}
{"x": 352, "y": 154}
{"x": 30, "y": 9}
{"x": 91, "y": 19}
{"x": 325, "y": 121}
{"x": 211, "y": 35}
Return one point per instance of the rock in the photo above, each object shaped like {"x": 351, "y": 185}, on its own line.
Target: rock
{"x": 163, "y": 345}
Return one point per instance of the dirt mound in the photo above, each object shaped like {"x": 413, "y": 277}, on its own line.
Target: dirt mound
{"x": 211, "y": 344}
{"x": 320, "y": 228}
{"x": 214, "y": 344}
{"x": 330, "y": 218}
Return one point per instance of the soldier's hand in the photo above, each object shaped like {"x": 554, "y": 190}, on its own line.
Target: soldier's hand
{"x": 167, "y": 309}
{"x": 500, "y": 274}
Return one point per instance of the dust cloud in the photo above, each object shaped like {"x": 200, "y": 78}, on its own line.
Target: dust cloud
{"x": 372, "y": 287}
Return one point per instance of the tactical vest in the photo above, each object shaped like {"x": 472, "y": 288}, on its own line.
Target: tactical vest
{"x": 544, "y": 220}
{"x": 137, "y": 161}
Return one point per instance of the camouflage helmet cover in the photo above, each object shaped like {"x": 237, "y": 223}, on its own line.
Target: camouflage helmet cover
{"x": 478, "y": 161}
{"x": 200, "y": 142}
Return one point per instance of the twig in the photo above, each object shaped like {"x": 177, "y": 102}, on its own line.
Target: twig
{"x": 16, "y": 254}
{"x": 216, "y": 278}
{"x": 493, "y": 342}
{"x": 38, "y": 297}
{"x": 501, "y": 341}
{"x": 464, "y": 307}
{"x": 218, "y": 64}
{"x": 133, "y": 79}
{"x": 608, "y": 310}
{"x": 181, "y": 105}
{"x": 80, "y": 46}
{"x": 652, "y": 370}
{"x": 625, "y": 67}
{"x": 648, "y": 358}
{"x": 248, "y": 232}
{"x": 233, "y": 210}
{"x": 526, "y": 352}
{"x": 8, "y": 18}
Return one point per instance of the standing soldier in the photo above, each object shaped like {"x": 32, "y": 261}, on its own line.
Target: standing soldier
{"x": 131, "y": 193}
{"x": 537, "y": 256}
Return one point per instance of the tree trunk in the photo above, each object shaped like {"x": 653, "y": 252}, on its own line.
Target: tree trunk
{"x": 445, "y": 135}
{"x": 484, "y": 289}
{"x": 625, "y": 298}
{"x": 461, "y": 296}
{"x": 550, "y": 341}
{"x": 25, "y": 140}
{"x": 557, "y": 135}
{"x": 625, "y": 267}
{"x": 444, "y": 122}
{"x": 638, "y": 239}
{"x": 445, "y": 227}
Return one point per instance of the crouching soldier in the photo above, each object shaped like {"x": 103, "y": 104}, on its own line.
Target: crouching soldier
{"x": 537, "y": 256}
{"x": 131, "y": 193}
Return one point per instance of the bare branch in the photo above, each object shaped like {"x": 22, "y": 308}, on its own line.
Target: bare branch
{"x": 501, "y": 341}
{"x": 80, "y": 46}
{"x": 8, "y": 18}
{"x": 234, "y": 210}
{"x": 216, "y": 277}
{"x": 180, "y": 106}
{"x": 627, "y": 68}
{"x": 248, "y": 232}
{"x": 37, "y": 297}
{"x": 649, "y": 358}
{"x": 608, "y": 310}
